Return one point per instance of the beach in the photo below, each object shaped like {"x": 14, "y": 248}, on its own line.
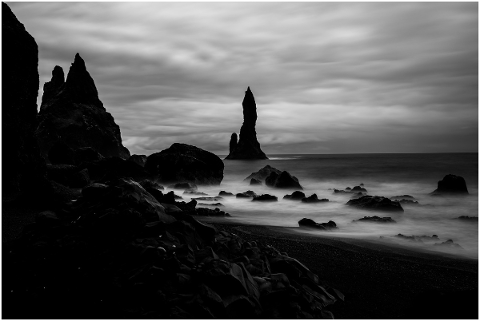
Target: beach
{"x": 378, "y": 281}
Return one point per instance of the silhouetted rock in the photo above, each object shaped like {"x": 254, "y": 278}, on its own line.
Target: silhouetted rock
{"x": 313, "y": 199}
{"x": 376, "y": 219}
{"x": 376, "y": 203}
{"x": 247, "y": 194}
{"x": 223, "y": 193}
{"x": 254, "y": 181}
{"x": 186, "y": 163}
{"x": 263, "y": 173}
{"x": 139, "y": 159}
{"x": 284, "y": 180}
{"x": 306, "y": 222}
{"x": 449, "y": 243}
{"x": 355, "y": 190}
{"x": 265, "y": 198}
{"x": 24, "y": 170}
{"x": 72, "y": 112}
{"x": 451, "y": 184}
{"x": 233, "y": 142}
{"x": 418, "y": 238}
{"x": 297, "y": 196}
{"x": 248, "y": 146}
{"x": 405, "y": 199}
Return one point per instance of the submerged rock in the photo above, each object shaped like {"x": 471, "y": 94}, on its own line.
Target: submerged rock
{"x": 451, "y": 185}
{"x": 186, "y": 163}
{"x": 284, "y": 180}
{"x": 379, "y": 203}
{"x": 248, "y": 146}
{"x": 71, "y": 112}
{"x": 376, "y": 219}
{"x": 306, "y": 222}
{"x": 295, "y": 196}
{"x": 265, "y": 198}
{"x": 313, "y": 199}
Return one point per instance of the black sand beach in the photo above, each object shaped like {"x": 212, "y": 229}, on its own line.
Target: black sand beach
{"x": 378, "y": 281}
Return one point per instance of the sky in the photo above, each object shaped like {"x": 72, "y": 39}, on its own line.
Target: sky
{"x": 327, "y": 77}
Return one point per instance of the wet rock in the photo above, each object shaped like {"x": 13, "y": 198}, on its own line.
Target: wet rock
{"x": 223, "y": 193}
{"x": 72, "y": 113}
{"x": 379, "y": 203}
{"x": 186, "y": 163}
{"x": 306, "y": 222}
{"x": 451, "y": 185}
{"x": 138, "y": 159}
{"x": 297, "y": 195}
{"x": 254, "y": 181}
{"x": 263, "y": 173}
{"x": 248, "y": 146}
{"x": 284, "y": 180}
{"x": 247, "y": 194}
{"x": 313, "y": 199}
{"x": 376, "y": 219}
{"x": 265, "y": 198}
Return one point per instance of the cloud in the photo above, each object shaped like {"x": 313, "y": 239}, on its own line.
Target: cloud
{"x": 327, "y": 77}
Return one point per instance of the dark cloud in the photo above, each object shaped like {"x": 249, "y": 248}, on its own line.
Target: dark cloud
{"x": 327, "y": 77}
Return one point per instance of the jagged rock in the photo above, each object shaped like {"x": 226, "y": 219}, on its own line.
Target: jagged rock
{"x": 247, "y": 194}
{"x": 284, "y": 180}
{"x": 139, "y": 159}
{"x": 186, "y": 163}
{"x": 376, "y": 219}
{"x": 24, "y": 170}
{"x": 248, "y": 146}
{"x": 265, "y": 198}
{"x": 254, "y": 181}
{"x": 313, "y": 199}
{"x": 223, "y": 193}
{"x": 451, "y": 184}
{"x": 72, "y": 112}
{"x": 263, "y": 173}
{"x": 306, "y": 222}
{"x": 297, "y": 196}
{"x": 376, "y": 203}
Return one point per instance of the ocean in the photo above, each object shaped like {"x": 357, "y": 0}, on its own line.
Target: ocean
{"x": 382, "y": 175}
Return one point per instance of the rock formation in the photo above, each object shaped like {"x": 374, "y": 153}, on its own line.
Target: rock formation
{"x": 451, "y": 184}
{"x": 185, "y": 163}
{"x": 306, "y": 222}
{"x": 263, "y": 173}
{"x": 248, "y": 146}
{"x": 379, "y": 203}
{"x": 71, "y": 112}
{"x": 24, "y": 170}
{"x": 284, "y": 180}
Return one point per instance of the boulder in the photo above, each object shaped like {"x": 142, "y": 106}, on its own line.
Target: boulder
{"x": 297, "y": 196}
{"x": 284, "y": 180}
{"x": 186, "y": 163}
{"x": 263, "y": 173}
{"x": 248, "y": 146}
{"x": 376, "y": 219}
{"x": 24, "y": 171}
{"x": 313, "y": 199}
{"x": 379, "y": 203}
{"x": 254, "y": 181}
{"x": 223, "y": 193}
{"x": 306, "y": 222}
{"x": 265, "y": 198}
{"x": 72, "y": 113}
{"x": 139, "y": 159}
{"x": 451, "y": 185}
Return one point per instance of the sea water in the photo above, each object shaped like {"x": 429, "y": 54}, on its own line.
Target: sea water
{"x": 382, "y": 175}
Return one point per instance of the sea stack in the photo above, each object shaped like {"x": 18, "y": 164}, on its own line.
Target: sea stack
{"x": 72, "y": 114}
{"x": 247, "y": 146}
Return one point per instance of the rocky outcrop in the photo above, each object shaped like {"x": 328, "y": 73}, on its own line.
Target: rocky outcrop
{"x": 314, "y": 199}
{"x": 284, "y": 180}
{"x": 223, "y": 193}
{"x": 378, "y": 203}
{"x": 263, "y": 173}
{"x": 248, "y": 146}
{"x": 24, "y": 170}
{"x": 186, "y": 163}
{"x": 265, "y": 198}
{"x": 451, "y": 185}
{"x": 295, "y": 196}
{"x": 72, "y": 113}
{"x": 306, "y": 222}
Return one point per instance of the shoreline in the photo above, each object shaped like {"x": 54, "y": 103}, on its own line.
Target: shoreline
{"x": 378, "y": 280}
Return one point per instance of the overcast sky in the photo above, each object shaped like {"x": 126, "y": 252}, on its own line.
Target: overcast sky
{"x": 327, "y": 77}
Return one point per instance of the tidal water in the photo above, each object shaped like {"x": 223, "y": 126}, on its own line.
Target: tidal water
{"x": 382, "y": 175}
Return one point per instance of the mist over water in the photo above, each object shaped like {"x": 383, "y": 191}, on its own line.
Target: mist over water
{"x": 382, "y": 175}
